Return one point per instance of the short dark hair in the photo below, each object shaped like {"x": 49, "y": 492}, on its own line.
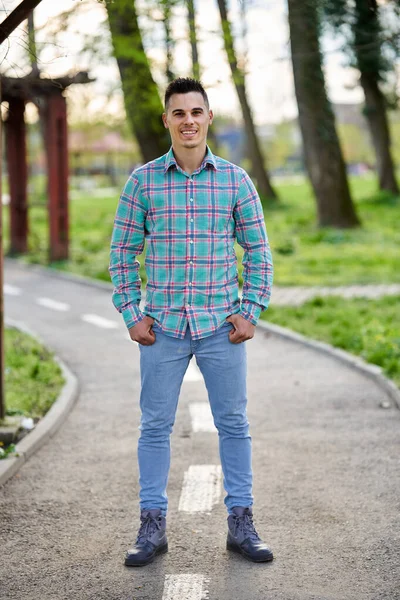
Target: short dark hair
{"x": 184, "y": 85}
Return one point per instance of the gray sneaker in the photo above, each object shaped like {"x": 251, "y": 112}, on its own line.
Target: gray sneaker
{"x": 243, "y": 537}
{"x": 151, "y": 539}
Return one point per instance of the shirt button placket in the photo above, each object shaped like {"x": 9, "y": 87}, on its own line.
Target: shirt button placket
{"x": 191, "y": 241}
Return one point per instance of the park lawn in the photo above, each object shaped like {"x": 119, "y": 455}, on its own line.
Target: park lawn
{"x": 368, "y": 328}
{"x": 33, "y": 379}
{"x": 303, "y": 254}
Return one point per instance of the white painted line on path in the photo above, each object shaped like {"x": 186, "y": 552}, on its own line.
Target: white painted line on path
{"x": 201, "y": 488}
{"x": 53, "y": 304}
{"x": 201, "y": 416}
{"x": 187, "y": 586}
{"x": 100, "y": 321}
{"x": 193, "y": 372}
{"x": 11, "y": 290}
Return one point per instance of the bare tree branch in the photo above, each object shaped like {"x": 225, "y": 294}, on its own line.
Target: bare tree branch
{"x": 19, "y": 14}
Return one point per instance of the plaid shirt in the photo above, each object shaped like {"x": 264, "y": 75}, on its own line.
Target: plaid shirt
{"x": 190, "y": 223}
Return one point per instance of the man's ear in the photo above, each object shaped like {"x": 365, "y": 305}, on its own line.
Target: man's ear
{"x": 211, "y": 115}
{"x": 164, "y": 118}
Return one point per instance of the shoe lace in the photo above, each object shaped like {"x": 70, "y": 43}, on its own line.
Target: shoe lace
{"x": 245, "y": 525}
{"x": 148, "y": 526}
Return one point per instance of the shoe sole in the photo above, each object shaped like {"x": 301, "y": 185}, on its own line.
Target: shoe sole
{"x": 160, "y": 550}
{"x": 238, "y": 550}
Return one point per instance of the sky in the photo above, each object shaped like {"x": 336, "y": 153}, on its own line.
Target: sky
{"x": 269, "y": 72}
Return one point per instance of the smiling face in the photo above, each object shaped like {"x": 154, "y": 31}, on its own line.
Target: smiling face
{"x": 187, "y": 118}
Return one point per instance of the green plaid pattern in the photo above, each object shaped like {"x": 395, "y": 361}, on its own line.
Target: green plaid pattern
{"x": 189, "y": 224}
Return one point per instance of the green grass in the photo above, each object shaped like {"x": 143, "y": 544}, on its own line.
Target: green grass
{"x": 368, "y": 328}
{"x": 303, "y": 254}
{"x": 306, "y": 255}
{"x": 33, "y": 379}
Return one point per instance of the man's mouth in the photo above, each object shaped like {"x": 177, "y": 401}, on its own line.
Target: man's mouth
{"x": 188, "y": 132}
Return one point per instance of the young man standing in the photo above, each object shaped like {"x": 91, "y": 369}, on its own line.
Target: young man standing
{"x": 190, "y": 206}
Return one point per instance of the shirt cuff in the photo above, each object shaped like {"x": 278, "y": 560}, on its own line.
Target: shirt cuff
{"x": 250, "y": 311}
{"x": 132, "y": 315}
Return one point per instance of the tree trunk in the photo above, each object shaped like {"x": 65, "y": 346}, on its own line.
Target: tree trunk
{"x": 32, "y": 45}
{"x": 369, "y": 62}
{"x": 375, "y": 112}
{"x": 142, "y": 101}
{"x": 257, "y": 161}
{"x": 322, "y": 152}
{"x": 169, "y": 42}
{"x": 193, "y": 39}
{"x": 196, "y": 70}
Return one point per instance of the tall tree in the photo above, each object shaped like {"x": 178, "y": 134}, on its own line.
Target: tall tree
{"x": 142, "y": 101}
{"x": 257, "y": 160}
{"x": 193, "y": 39}
{"x": 359, "y": 22}
{"x": 32, "y": 45}
{"x": 322, "y": 152}
{"x": 196, "y": 68}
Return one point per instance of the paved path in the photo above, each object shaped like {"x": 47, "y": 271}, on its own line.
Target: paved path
{"x": 325, "y": 459}
{"x": 285, "y": 296}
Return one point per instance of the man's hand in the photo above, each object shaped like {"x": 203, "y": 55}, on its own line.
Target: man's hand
{"x": 243, "y": 329}
{"x": 143, "y": 333}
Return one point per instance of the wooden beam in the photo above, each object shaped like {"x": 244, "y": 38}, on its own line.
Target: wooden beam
{"x": 18, "y": 175}
{"x": 15, "y": 18}
{"x": 32, "y": 86}
{"x": 2, "y": 394}
{"x": 57, "y": 173}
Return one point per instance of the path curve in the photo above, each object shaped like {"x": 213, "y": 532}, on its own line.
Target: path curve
{"x": 325, "y": 462}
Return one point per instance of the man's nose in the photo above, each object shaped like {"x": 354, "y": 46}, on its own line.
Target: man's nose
{"x": 189, "y": 118}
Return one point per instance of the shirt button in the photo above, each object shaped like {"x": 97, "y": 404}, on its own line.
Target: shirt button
{"x": 190, "y": 283}
{"x": 191, "y": 220}
{"x": 191, "y": 262}
{"x": 188, "y": 305}
{"x": 191, "y": 241}
{"x": 191, "y": 199}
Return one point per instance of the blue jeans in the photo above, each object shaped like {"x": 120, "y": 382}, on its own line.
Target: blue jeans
{"x": 163, "y": 366}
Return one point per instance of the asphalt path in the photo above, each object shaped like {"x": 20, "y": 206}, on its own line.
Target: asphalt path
{"x": 325, "y": 458}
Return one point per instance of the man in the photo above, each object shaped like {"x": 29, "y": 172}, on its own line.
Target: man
{"x": 190, "y": 206}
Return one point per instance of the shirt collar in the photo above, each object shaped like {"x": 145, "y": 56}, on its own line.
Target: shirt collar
{"x": 170, "y": 160}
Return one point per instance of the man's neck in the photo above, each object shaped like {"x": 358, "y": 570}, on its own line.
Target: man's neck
{"x": 190, "y": 159}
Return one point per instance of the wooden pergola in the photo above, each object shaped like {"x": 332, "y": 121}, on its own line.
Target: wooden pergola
{"x": 48, "y": 96}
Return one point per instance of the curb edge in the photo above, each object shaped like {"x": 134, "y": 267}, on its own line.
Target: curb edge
{"x": 49, "y": 424}
{"x": 372, "y": 371}
{"x": 58, "y": 274}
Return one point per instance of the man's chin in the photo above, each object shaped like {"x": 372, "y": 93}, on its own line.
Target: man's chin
{"x": 191, "y": 143}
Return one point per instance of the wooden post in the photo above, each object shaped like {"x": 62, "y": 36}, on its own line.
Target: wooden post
{"x": 17, "y": 175}
{"x": 57, "y": 173}
{"x": 2, "y": 395}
